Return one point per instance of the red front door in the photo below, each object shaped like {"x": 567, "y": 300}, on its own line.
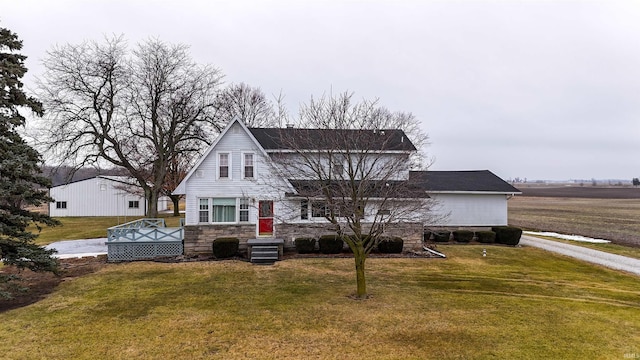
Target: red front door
{"x": 265, "y": 218}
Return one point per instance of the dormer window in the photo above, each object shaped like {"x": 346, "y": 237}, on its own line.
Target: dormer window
{"x": 223, "y": 165}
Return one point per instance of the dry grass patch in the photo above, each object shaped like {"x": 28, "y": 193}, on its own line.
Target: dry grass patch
{"x": 515, "y": 303}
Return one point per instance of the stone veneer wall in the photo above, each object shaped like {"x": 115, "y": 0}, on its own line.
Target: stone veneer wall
{"x": 198, "y": 239}
{"x": 411, "y": 233}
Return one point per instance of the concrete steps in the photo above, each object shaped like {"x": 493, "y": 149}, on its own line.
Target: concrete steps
{"x": 264, "y": 254}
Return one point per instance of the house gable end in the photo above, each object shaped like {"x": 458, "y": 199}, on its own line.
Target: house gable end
{"x": 181, "y": 188}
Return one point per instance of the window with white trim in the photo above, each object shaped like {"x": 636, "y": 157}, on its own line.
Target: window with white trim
{"x": 337, "y": 167}
{"x": 244, "y": 210}
{"x": 224, "y": 210}
{"x": 61, "y": 204}
{"x": 224, "y": 166}
{"x": 319, "y": 209}
{"x": 248, "y": 167}
{"x": 203, "y": 211}
{"x": 134, "y": 204}
{"x": 304, "y": 210}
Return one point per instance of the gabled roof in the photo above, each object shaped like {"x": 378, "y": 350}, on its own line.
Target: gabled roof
{"x": 420, "y": 184}
{"x": 462, "y": 181}
{"x": 180, "y": 189}
{"x": 125, "y": 180}
{"x": 326, "y": 139}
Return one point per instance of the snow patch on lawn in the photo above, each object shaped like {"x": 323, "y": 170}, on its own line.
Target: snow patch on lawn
{"x": 568, "y": 237}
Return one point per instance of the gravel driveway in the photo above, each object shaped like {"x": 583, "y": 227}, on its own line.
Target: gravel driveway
{"x": 612, "y": 261}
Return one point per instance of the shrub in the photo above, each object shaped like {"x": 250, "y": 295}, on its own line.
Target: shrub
{"x": 486, "y": 237}
{"x": 463, "y": 235}
{"x": 507, "y": 235}
{"x": 330, "y": 244}
{"x": 441, "y": 237}
{"x": 390, "y": 245}
{"x": 305, "y": 245}
{"x": 225, "y": 247}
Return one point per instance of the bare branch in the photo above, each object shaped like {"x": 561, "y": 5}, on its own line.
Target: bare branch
{"x": 140, "y": 110}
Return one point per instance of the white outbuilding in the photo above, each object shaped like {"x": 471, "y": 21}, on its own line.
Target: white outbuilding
{"x": 100, "y": 196}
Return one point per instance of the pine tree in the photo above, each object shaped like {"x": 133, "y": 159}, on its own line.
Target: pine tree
{"x": 21, "y": 184}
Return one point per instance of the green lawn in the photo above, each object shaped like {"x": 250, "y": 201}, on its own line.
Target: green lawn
{"x": 74, "y": 228}
{"x": 516, "y": 303}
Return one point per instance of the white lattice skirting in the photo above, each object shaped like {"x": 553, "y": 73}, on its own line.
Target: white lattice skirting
{"x": 128, "y": 251}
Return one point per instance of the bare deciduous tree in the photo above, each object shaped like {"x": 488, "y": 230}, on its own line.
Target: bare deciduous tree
{"x": 140, "y": 109}
{"x": 246, "y": 103}
{"x": 177, "y": 169}
{"x": 349, "y": 162}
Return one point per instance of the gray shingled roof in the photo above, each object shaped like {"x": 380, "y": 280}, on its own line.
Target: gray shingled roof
{"x": 420, "y": 183}
{"x": 372, "y": 189}
{"x": 325, "y": 139}
{"x": 464, "y": 181}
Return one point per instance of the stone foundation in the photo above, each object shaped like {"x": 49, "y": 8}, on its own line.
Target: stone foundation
{"x": 198, "y": 239}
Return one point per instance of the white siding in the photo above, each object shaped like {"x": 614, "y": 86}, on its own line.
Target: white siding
{"x": 205, "y": 184}
{"x": 472, "y": 209}
{"x": 463, "y": 209}
{"x": 94, "y": 197}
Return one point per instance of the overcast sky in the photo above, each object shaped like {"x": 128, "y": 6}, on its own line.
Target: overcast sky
{"x": 529, "y": 89}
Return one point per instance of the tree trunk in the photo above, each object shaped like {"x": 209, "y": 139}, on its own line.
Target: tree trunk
{"x": 152, "y": 203}
{"x": 361, "y": 283}
{"x": 176, "y": 204}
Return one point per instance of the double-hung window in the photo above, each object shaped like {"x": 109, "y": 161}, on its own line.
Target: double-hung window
{"x": 337, "y": 167}
{"x": 224, "y": 165}
{"x": 203, "y": 211}
{"x": 248, "y": 167}
{"x": 244, "y": 210}
{"x": 134, "y": 204}
{"x": 61, "y": 204}
{"x": 319, "y": 209}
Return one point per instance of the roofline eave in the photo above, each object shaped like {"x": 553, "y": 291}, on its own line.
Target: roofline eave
{"x": 475, "y": 192}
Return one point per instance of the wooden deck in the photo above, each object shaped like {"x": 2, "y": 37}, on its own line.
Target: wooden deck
{"x": 143, "y": 239}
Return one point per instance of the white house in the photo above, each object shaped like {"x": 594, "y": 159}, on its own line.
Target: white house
{"x": 99, "y": 196}
{"x": 236, "y": 190}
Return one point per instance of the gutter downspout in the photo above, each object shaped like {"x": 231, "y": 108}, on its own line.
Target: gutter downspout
{"x": 434, "y": 252}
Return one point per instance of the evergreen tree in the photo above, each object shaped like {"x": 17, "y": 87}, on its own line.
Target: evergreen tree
{"x": 21, "y": 184}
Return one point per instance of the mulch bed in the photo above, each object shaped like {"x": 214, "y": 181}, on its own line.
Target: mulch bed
{"x": 39, "y": 284}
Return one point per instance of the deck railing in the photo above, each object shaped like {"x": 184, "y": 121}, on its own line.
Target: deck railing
{"x": 143, "y": 239}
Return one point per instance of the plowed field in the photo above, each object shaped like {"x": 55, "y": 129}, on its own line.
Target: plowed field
{"x": 607, "y": 213}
